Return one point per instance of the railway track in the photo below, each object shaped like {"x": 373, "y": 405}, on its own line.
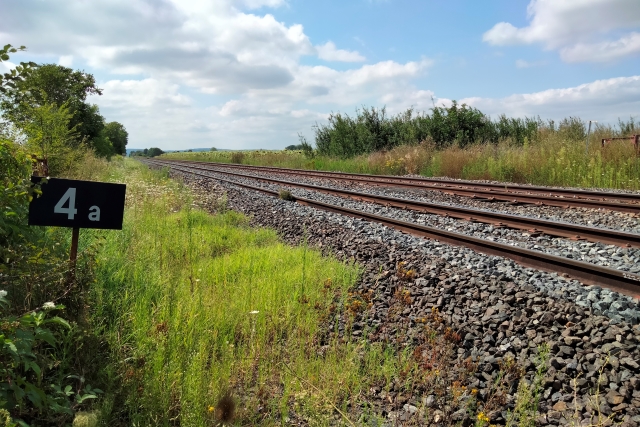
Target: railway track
{"x": 531, "y": 225}
{"x": 619, "y": 281}
{"x": 559, "y": 197}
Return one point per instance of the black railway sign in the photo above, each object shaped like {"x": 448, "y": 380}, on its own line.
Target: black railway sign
{"x": 77, "y": 204}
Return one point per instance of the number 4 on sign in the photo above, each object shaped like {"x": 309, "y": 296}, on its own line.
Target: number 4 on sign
{"x": 71, "y": 211}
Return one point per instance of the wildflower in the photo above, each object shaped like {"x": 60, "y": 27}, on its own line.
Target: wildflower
{"x": 48, "y": 305}
{"x": 483, "y": 418}
{"x": 254, "y": 312}
{"x": 3, "y": 293}
{"x": 211, "y": 409}
{"x": 474, "y": 391}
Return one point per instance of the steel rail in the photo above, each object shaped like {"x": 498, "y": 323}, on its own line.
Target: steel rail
{"x": 532, "y": 225}
{"x": 619, "y": 281}
{"x": 508, "y": 193}
{"x": 592, "y": 194}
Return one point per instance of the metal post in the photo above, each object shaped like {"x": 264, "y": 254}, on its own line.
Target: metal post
{"x": 586, "y": 150}
{"x": 73, "y": 254}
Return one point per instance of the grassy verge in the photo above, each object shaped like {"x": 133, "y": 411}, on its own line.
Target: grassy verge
{"x": 198, "y": 307}
{"x": 552, "y": 160}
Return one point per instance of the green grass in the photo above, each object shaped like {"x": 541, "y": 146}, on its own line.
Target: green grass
{"x": 195, "y": 305}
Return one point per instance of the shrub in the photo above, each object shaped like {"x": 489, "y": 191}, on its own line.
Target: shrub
{"x": 237, "y": 157}
{"x": 286, "y": 195}
{"x": 373, "y": 130}
{"x": 36, "y": 361}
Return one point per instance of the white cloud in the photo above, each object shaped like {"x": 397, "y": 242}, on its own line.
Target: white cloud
{"x": 213, "y": 46}
{"x": 244, "y": 66}
{"x": 604, "y": 51}
{"x": 329, "y": 52}
{"x": 603, "y": 100}
{"x": 521, "y": 63}
{"x": 582, "y": 30}
{"x": 66, "y": 61}
{"x": 6, "y": 66}
{"x": 140, "y": 93}
{"x": 386, "y": 70}
{"x": 256, "y": 4}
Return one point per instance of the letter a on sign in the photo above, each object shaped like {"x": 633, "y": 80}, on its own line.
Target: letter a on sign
{"x": 94, "y": 213}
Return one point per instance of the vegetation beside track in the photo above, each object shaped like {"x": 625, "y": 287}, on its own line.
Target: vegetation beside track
{"x": 550, "y": 156}
{"x": 201, "y": 310}
{"x": 191, "y": 318}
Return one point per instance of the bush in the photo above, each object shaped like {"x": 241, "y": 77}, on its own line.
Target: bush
{"x": 36, "y": 357}
{"x": 33, "y": 388}
{"x": 237, "y": 157}
{"x": 286, "y": 195}
{"x": 372, "y": 130}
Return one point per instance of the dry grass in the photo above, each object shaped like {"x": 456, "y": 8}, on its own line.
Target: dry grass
{"x": 554, "y": 158}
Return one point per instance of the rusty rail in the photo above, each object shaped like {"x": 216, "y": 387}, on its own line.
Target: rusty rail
{"x": 532, "y": 225}
{"x": 619, "y": 281}
{"x": 485, "y": 191}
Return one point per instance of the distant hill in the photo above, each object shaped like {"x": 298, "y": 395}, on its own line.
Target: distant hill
{"x": 129, "y": 150}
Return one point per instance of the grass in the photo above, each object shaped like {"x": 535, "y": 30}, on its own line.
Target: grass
{"x": 205, "y": 321}
{"x": 196, "y": 307}
{"x": 554, "y": 159}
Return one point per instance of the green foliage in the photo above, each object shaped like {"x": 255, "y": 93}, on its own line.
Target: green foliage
{"x": 246, "y": 309}
{"x": 118, "y": 136}
{"x": 458, "y": 123}
{"x": 38, "y": 349}
{"x": 147, "y": 152}
{"x": 372, "y": 130}
{"x": 15, "y": 194}
{"x": 52, "y": 86}
{"x": 10, "y": 81}
{"x": 32, "y": 387}
{"x": 60, "y": 84}
{"x": 51, "y": 83}
{"x": 525, "y": 410}
{"x": 49, "y": 136}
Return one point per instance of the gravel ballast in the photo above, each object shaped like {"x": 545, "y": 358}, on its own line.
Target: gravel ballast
{"x": 500, "y": 310}
{"x": 621, "y": 221}
{"x": 625, "y": 259}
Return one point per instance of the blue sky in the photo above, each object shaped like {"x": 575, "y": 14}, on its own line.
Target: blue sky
{"x": 255, "y": 73}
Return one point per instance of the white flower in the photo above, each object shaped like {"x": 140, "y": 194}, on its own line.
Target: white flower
{"x": 254, "y": 312}
{"x": 48, "y": 305}
{"x": 3, "y": 293}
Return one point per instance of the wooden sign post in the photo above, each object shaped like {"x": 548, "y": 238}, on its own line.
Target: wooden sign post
{"x": 77, "y": 204}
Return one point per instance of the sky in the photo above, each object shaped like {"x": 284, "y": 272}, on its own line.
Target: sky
{"x": 249, "y": 74}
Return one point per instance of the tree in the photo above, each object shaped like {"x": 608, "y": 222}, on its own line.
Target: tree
{"x": 154, "y": 151}
{"x": 10, "y": 80}
{"x": 118, "y": 136}
{"x": 48, "y": 134}
{"x": 55, "y": 84}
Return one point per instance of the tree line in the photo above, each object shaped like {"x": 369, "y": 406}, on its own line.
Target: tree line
{"x": 147, "y": 152}
{"x": 44, "y": 107}
{"x": 372, "y": 129}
